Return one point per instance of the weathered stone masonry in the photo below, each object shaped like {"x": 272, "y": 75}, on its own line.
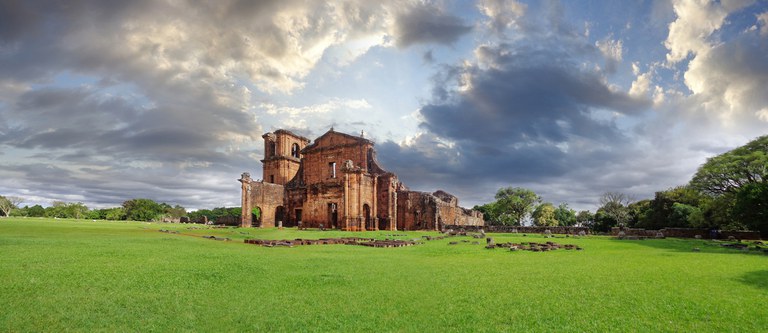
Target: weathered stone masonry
{"x": 336, "y": 182}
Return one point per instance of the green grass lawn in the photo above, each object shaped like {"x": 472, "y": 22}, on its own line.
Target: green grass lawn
{"x": 61, "y": 275}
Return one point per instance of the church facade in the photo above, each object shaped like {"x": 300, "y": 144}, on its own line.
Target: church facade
{"x": 336, "y": 182}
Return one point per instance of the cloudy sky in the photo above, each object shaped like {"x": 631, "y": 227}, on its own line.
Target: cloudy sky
{"x": 103, "y": 101}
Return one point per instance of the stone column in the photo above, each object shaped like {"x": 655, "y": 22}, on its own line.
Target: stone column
{"x": 346, "y": 201}
{"x": 375, "y": 208}
{"x": 245, "y": 200}
{"x": 393, "y": 217}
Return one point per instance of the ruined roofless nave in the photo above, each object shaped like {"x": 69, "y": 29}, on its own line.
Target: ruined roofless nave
{"x": 335, "y": 182}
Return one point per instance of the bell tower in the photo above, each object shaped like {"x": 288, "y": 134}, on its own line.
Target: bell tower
{"x": 282, "y": 156}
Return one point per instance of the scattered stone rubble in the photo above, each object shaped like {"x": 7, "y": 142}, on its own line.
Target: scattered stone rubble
{"x": 531, "y": 246}
{"x": 218, "y": 238}
{"x": 331, "y": 241}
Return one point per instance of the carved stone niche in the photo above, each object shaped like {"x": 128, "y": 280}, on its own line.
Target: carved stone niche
{"x": 348, "y": 165}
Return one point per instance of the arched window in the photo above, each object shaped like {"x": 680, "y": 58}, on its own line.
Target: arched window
{"x": 295, "y": 150}
{"x": 271, "y": 149}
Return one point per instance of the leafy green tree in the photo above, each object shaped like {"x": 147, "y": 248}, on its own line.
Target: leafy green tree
{"x": 174, "y": 212}
{"x": 730, "y": 171}
{"x": 638, "y": 211}
{"x": 661, "y": 212}
{"x": 585, "y": 218}
{"x": 115, "y": 214}
{"x": 544, "y": 215}
{"x": 564, "y": 215}
{"x": 143, "y": 210}
{"x": 514, "y": 204}
{"x": 751, "y": 207}
{"x": 488, "y": 212}
{"x": 36, "y": 211}
{"x": 76, "y": 210}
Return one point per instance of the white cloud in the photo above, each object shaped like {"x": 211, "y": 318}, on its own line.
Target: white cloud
{"x": 763, "y": 21}
{"x": 641, "y": 86}
{"x": 611, "y": 49}
{"x": 696, "y": 21}
{"x": 502, "y": 14}
{"x": 327, "y": 107}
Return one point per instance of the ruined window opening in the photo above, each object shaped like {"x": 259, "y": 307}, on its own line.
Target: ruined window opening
{"x": 332, "y": 169}
{"x": 272, "y": 151}
{"x": 271, "y": 178}
{"x": 295, "y": 150}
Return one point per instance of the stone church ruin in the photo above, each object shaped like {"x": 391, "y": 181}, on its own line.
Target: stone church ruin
{"x": 336, "y": 182}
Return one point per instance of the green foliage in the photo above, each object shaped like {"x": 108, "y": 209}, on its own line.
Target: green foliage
{"x": 256, "y": 212}
{"x": 614, "y": 211}
{"x": 214, "y": 214}
{"x": 488, "y": 212}
{"x": 513, "y": 205}
{"x": 564, "y": 215}
{"x": 143, "y": 210}
{"x": 638, "y": 211}
{"x": 585, "y": 218}
{"x": 8, "y": 204}
{"x": 66, "y": 210}
{"x": 661, "y": 213}
{"x": 544, "y": 215}
{"x": 728, "y": 172}
{"x": 751, "y": 207}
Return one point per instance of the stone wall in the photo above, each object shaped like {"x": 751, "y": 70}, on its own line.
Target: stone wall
{"x": 520, "y": 229}
{"x": 687, "y": 233}
{"x": 267, "y": 197}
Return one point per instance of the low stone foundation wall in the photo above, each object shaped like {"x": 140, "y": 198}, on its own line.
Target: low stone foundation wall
{"x": 520, "y": 229}
{"x": 688, "y": 233}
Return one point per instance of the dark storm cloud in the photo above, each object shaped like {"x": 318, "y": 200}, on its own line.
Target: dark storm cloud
{"x": 425, "y": 23}
{"x": 130, "y": 97}
{"x": 521, "y": 113}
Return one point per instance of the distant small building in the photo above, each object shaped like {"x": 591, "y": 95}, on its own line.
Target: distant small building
{"x": 336, "y": 182}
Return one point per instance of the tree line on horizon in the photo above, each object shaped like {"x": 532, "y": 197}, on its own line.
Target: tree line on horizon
{"x": 728, "y": 192}
{"x": 140, "y": 209}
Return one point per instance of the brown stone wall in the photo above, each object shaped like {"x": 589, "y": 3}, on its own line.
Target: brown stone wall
{"x": 386, "y": 201}
{"x": 320, "y": 196}
{"x": 281, "y": 158}
{"x": 416, "y": 211}
{"x": 268, "y": 197}
{"x": 336, "y": 182}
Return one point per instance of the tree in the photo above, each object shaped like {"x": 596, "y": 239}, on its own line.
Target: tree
{"x": 638, "y": 211}
{"x": 751, "y": 207}
{"x": 36, "y": 211}
{"x": 613, "y": 211}
{"x": 513, "y": 204}
{"x": 487, "y": 210}
{"x": 730, "y": 171}
{"x": 661, "y": 212}
{"x": 585, "y": 218}
{"x": 564, "y": 215}
{"x": 615, "y": 198}
{"x": 143, "y": 210}
{"x": 9, "y": 203}
{"x": 544, "y": 215}
{"x": 115, "y": 214}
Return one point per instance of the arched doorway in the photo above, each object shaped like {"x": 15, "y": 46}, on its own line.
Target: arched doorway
{"x": 367, "y": 217}
{"x": 333, "y": 216}
{"x": 256, "y": 217}
{"x": 279, "y": 215}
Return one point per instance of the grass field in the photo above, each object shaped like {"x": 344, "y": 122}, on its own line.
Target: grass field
{"x": 126, "y": 276}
